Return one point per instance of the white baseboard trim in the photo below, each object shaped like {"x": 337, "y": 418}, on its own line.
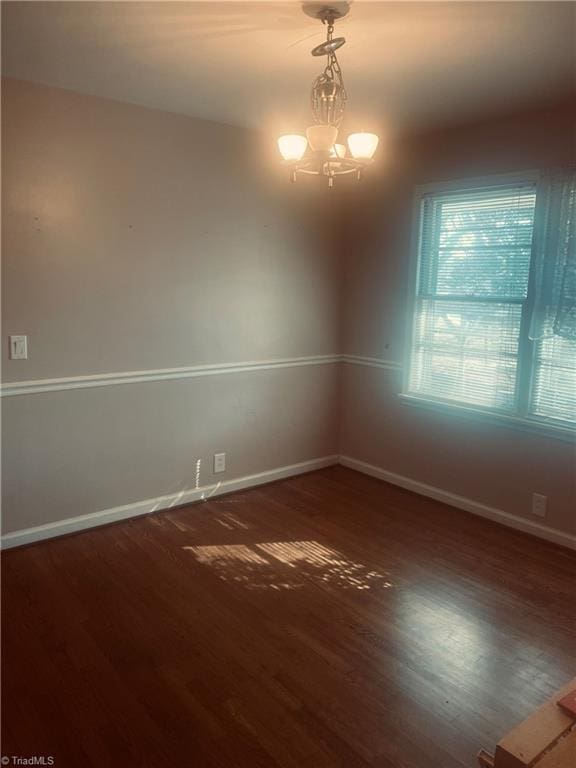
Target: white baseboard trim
{"x": 468, "y": 505}
{"x": 135, "y": 509}
{"x": 73, "y": 524}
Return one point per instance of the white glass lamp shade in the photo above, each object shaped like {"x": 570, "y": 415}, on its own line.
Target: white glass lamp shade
{"x": 322, "y": 137}
{"x": 292, "y": 146}
{"x": 338, "y": 150}
{"x": 362, "y": 145}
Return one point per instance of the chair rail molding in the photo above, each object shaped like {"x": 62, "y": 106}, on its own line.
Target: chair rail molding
{"x": 38, "y": 386}
{"x": 372, "y": 362}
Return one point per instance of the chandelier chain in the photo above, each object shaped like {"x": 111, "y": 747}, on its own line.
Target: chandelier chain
{"x": 329, "y": 110}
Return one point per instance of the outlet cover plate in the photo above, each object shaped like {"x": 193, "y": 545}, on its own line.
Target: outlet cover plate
{"x": 219, "y": 463}
{"x": 539, "y": 502}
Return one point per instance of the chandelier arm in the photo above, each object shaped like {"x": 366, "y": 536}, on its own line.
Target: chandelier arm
{"x": 339, "y": 167}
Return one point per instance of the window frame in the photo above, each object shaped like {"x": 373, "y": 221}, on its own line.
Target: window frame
{"x": 521, "y": 418}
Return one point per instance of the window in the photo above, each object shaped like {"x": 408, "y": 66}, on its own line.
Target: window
{"x": 473, "y": 301}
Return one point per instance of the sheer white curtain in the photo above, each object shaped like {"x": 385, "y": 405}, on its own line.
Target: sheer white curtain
{"x": 554, "y": 312}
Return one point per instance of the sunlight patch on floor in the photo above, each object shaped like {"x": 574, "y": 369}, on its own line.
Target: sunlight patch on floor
{"x": 230, "y": 521}
{"x": 284, "y": 565}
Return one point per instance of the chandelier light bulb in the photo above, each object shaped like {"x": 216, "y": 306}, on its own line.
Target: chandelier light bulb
{"x": 292, "y": 146}
{"x": 338, "y": 151}
{"x": 362, "y": 145}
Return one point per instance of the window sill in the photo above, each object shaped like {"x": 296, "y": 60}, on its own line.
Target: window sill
{"x": 540, "y": 427}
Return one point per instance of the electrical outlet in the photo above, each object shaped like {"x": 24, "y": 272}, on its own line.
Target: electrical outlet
{"x": 219, "y": 463}
{"x": 18, "y": 347}
{"x": 539, "y": 502}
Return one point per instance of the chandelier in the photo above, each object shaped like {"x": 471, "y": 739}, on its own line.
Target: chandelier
{"x": 319, "y": 153}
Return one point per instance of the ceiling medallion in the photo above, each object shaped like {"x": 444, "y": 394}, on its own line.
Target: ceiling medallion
{"x": 319, "y": 153}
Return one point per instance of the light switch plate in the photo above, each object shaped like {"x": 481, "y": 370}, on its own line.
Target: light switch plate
{"x": 219, "y": 463}
{"x": 18, "y": 347}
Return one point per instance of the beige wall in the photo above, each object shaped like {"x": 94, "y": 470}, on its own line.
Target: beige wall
{"x": 135, "y": 239}
{"x": 138, "y": 239}
{"x": 493, "y": 465}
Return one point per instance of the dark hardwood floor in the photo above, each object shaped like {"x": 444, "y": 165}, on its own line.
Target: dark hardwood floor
{"x": 326, "y": 620}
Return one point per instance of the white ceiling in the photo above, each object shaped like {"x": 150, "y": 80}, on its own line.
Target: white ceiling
{"x": 406, "y": 64}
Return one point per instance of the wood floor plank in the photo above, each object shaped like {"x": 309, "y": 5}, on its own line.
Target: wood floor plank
{"x": 329, "y": 620}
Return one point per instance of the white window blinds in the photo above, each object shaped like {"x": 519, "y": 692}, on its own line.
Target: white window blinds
{"x": 554, "y": 390}
{"x": 474, "y": 266}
